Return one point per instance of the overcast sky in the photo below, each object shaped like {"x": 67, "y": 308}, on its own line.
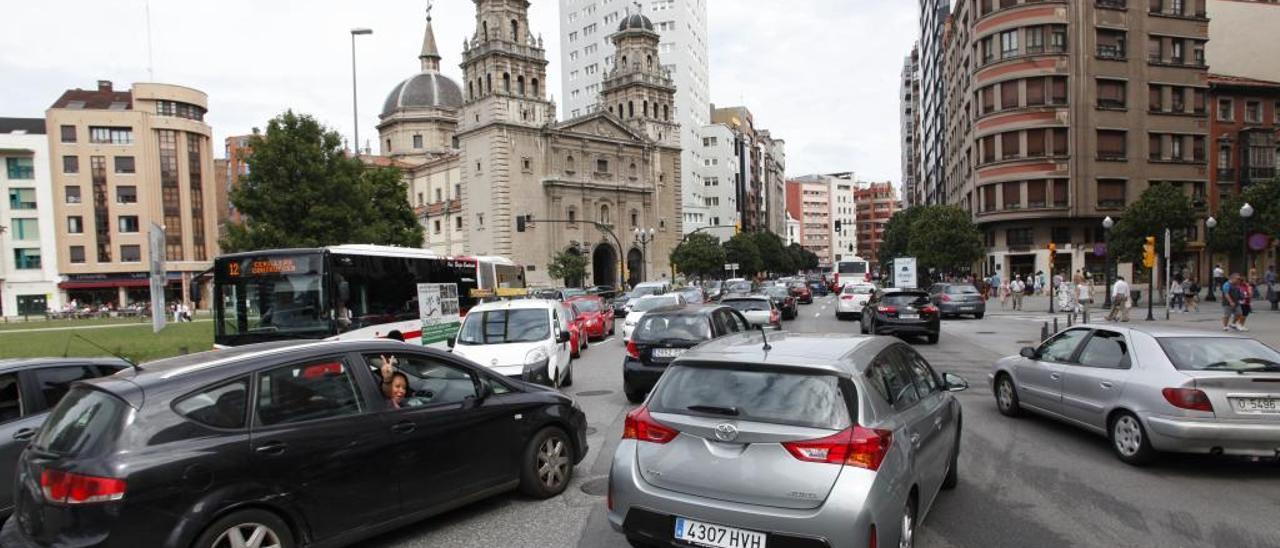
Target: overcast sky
{"x": 822, "y": 74}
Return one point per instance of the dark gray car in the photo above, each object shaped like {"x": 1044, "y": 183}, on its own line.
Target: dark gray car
{"x": 29, "y": 388}
{"x": 958, "y": 300}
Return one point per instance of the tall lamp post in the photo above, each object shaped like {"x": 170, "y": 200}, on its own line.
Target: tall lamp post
{"x": 1209, "y": 225}
{"x": 355, "y": 103}
{"x": 1246, "y": 212}
{"x": 1107, "y": 224}
{"x": 644, "y": 238}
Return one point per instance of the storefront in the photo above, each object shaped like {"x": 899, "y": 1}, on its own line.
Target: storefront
{"x": 116, "y": 291}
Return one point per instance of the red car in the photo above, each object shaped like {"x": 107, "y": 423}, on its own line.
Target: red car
{"x": 577, "y": 329}
{"x": 802, "y": 293}
{"x": 596, "y": 316}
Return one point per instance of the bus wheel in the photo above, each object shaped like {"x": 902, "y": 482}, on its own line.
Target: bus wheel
{"x": 395, "y": 336}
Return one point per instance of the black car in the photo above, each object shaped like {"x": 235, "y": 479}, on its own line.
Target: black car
{"x": 619, "y": 305}
{"x": 292, "y": 443}
{"x": 663, "y": 335}
{"x": 29, "y": 388}
{"x": 784, "y": 300}
{"x": 605, "y": 292}
{"x": 902, "y": 312}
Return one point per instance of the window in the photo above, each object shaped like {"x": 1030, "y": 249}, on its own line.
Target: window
{"x": 71, "y": 164}
{"x": 1061, "y": 348}
{"x": 1155, "y": 102}
{"x": 73, "y": 194}
{"x": 1012, "y": 191}
{"x": 128, "y": 223}
{"x": 22, "y": 198}
{"x": 10, "y": 398}
{"x": 922, "y": 375}
{"x": 111, "y": 135}
{"x": 26, "y": 259}
{"x": 1111, "y": 93}
{"x": 1111, "y": 144}
{"x": 1035, "y": 39}
{"x": 989, "y": 198}
{"x": 1226, "y": 110}
{"x": 1059, "y": 90}
{"x": 602, "y": 166}
{"x": 1009, "y": 95}
{"x": 457, "y": 223}
{"x": 124, "y": 164}
{"x": 221, "y": 407}
{"x": 1155, "y": 146}
{"x": 1111, "y": 193}
{"x": 1009, "y": 43}
{"x": 130, "y": 254}
{"x": 1111, "y": 44}
{"x": 305, "y": 392}
{"x": 1105, "y": 349}
{"x": 1059, "y": 193}
{"x": 1036, "y": 143}
{"x": 54, "y": 382}
{"x": 1036, "y": 194}
{"x": 431, "y": 382}
{"x": 76, "y": 254}
{"x": 1253, "y": 112}
{"x": 75, "y": 224}
{"x": 1018, "y": 237}
{"x": 1060, "y": 141}
{"x": 1035, "y": 91}
{"x": 68, "y": 134}
{"x": 891, "y": 378}
{"x": 22, "y": 168}
{"x": 1010, "y": 145}
{"x": 988, "y": 99}
{"x": 126, "y": 194}
{"x": 1061, "y": 235}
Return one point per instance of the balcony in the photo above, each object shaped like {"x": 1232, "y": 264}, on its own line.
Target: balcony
{"x": 1112, "y": 52}
{"x": 1226, "y": 174}
{"x": 1260, "y": 174}
{"x": 1171, "y": 12}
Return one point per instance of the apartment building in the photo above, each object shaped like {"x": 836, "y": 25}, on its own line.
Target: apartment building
{"x": 844, "y": 215}
{"x": 122, "y": 161}
{"x": 720, "y": 178}
{"x": 875, "y": 204}
{"x": 1243, "y": 38}
{"x": 774, "y": 208}
{"x": 1068, "y": 112}
{"x": 28, "y": 255}
{"x": 909, "y": 119}
{"x": 809, "y": 198}
{"x": 1244, "y": 118}
{"x": 933, "y": 95}
{"x": 587, "y": 55}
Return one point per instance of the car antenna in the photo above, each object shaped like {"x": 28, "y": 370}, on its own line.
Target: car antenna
{"x": 767, "y": 346}
{"x": 119, "y": 356}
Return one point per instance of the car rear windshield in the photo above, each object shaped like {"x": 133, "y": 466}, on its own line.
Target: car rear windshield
{"x": 642, "y": 290}
{"x": 82, "y": 423}
{"x": 905, "y": 298}
{"x": 962, "y": 290}
{"x": 681, "y": 328}
{"x": 587, "y": 306}
{"x": 796, "y": 399}
{"x": 747, "y": 305}
{"x": 779, "y": 292}
{"x": 505, "y": 327}
{"x": 858, "y": 289}
{"x": 740, "y": 287}
{"x": 645, "y": 305}
{"x": 1219, "y": 354}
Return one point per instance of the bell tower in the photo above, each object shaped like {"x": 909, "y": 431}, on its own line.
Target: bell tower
{"x": 638, "y": 89}
{"x": 505, "y": 69}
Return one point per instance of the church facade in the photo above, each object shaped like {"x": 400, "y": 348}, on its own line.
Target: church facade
{"x": 483, "y": 154}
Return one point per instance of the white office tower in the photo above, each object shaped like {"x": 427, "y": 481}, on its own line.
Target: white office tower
{"x": 586, "y": 56}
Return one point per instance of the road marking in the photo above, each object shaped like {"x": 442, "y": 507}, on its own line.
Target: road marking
{"x": 605, "y": 341}
{"x": 817, "y": 315}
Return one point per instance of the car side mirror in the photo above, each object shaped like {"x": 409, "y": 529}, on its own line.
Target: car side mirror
{"x": 1028, "y": 353}
{"x": 562, "y": 337}
{"x": 451, "y": 342}
{"x": 955, "y": 383}
{"x": 486, "y": 390}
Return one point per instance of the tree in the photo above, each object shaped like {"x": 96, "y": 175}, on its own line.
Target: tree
{"x": 699, "y": 255}
{"x": 802, "y": 258}
{"x": 773, "y": 253}
{"x": 1161, "y": 206}
{"x": 897, "y": 234}
{"x": 741, "y": 249}
{"x": 303, "y": 190}
{"x": 943, "y": 238}
{"x": 570, "y": 267}
{"x": 1228, "y": 237}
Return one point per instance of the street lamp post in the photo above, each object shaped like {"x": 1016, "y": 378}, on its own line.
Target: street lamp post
{"x": 1107, "y": 224}
{"x": 1246, "y": 212}
{"x": 1209, "y": 225}
{"x": 644, "y": 238}
{"x": 355, "y": 103}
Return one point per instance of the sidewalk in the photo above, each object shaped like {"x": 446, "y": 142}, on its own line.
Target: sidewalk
{"x": 1264, "y": 323}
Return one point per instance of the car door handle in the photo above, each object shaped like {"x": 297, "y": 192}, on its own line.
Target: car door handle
{"x": 404, "y": 427}
{"x": 1055, "y": 376}
{"x": 915, "y": 440}
{"x": 24, "y": 434}
{"x": 1106, "y": 385}
{"x": 271, "y": 448}
{"x": 937, "y": 423}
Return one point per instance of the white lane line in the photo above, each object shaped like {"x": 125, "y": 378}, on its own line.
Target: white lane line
{"x": 606, "y": 340}
{"x": 818, "y": 315}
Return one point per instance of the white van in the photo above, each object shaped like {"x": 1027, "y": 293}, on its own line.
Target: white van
{"x": 520, "y": 339}
{"x": 646, "y": 289}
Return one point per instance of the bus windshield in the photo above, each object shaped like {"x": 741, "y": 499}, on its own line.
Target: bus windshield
{"x": 853, "y": 267}
{"x": 272, "y": 296}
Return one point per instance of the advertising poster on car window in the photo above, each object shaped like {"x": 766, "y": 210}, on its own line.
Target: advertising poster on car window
{"x": 438, "y": 307}
{"x": 904, "y": 273}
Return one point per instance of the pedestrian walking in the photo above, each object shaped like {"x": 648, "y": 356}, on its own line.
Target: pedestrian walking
{"x": 1005, "y": 291}
{"x": 1217, "y": 281}
{"x": 1246, "y": 303}
{"x": 1273, "y": 292}
{"x": 1019, "y": 290}
{"x": 1176, "y": 296}
{"x": 1191, "y": 290}
{"x": 1119, "y": 301}
{"x": 1230, "y": 294}
{"x": 1079, "y": 295}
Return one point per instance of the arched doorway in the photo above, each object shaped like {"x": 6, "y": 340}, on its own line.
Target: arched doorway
{"x": 604, "y": 265}
{"x": 635, "y": 266}
{"x": 573, "y": 250}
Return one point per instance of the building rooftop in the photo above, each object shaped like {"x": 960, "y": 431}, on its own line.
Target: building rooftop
{"x": 103, "y": 98}
{"x": 30, "y": 126}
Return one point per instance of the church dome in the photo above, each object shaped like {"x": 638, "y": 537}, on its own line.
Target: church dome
{"x": 425, "y": 90}
{"x": 636, "y": 22}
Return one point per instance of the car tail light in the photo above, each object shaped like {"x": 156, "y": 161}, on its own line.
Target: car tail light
{"x": 858, "y": 447}
{"x": 640, "y": 426}
{"x": 774, "y": 316}
{"x": 929, "y": 310}
{"x": 846, "y": 297}
{"x": 67, "y": 488}
{"x": 872, "y": 541}
{"x": 632, "y": 350}
{"x": 1188, "y": 398}
{"x": 888, "y": 309}
{"x": 946, "y": 298}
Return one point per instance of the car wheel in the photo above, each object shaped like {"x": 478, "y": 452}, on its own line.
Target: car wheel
{"x": 568, "y": 376}
{"x": 612, "y": 328}
{"x": 576, "y": 352}
{"x": 586, "y": 344}
{"x": 952, "y": 479}
{"x": 979, "y": 315}
{"x": 1129, "y": 439}
{"x": 907, "y": 535}
{"x": 862, "y": 326}
{"x": 248, "y": 529}
{"x": 1007, "y": 397}
{"x": 932, "y": 338}
{"x": 637, "y": 542}
{"x": 633, "y": 395}
{"x": 547, "y": 465}
{"x": 840, "y": 316}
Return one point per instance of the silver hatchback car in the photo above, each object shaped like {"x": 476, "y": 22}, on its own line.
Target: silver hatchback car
{"x": 1151, "y": 389}
{"x": 803, "y": 440}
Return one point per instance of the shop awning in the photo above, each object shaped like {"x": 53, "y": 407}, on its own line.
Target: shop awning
{"x": 104, "y": 284}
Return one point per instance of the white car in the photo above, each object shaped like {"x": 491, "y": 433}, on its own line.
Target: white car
{"x": 853, "y": 297}
{"x": 639, "y": 306}
{"x": 646, "y": 289}
{"x": 520, "y": 339}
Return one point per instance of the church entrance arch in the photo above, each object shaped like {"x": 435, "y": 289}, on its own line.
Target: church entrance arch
{"x": 604, "y": 265}
{"x": 635, "y": 266}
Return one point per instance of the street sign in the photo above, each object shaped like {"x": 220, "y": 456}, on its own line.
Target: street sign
{"x": 731, "y": 266}
{"x": 156, "y": 251}
{"x": 904, "y": 273}
{"x": 438, "y": 308}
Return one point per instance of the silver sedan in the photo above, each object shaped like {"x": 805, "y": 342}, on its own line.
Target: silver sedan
{"x": 806, "y": 440}
{"x": 1151, "y": 389}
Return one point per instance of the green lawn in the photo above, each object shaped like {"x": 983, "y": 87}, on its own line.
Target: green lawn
{"x": 11, "y": 324}
{"x": 134, "y": 342}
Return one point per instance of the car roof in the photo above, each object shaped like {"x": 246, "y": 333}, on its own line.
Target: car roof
{"x": 745, "y": 298}
{"x": 695, "y": 310}
{"x": 15, "y": 364}
{"x": 1160, "y": 331}
{"x": 650, "y": 284}
{"x": 836, "y": 352}
{"x": 516, "y": 304}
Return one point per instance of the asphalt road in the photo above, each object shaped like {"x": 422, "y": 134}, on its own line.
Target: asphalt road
{"x": 1023, "y": 482}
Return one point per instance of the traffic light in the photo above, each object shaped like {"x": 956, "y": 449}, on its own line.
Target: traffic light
{"x": 1053, "y": 255}
{"x": 520, "y": 223}
{"x": 837, "y": 225}
{"x": 737, "y": 227}
{"x": 1149, "y": 252}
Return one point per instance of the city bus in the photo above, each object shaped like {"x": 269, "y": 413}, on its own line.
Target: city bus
{"x": 341, "y": 292}
{"x": 853, "y": 269}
